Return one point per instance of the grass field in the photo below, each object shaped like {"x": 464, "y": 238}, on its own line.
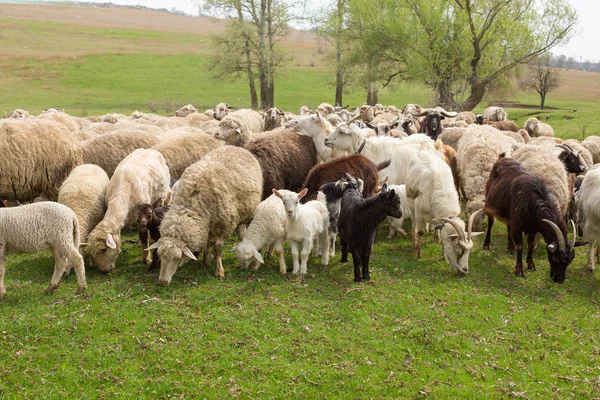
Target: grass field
{"x": 416, "y": 330}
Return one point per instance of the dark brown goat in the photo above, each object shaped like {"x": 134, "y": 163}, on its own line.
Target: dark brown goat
{"x": 503, "y": 125}
{"x": 359, "y": 166}
{"x": 150, "y": 217}
{"x": 285, "y": 159}
{"x": 525, "y": 204}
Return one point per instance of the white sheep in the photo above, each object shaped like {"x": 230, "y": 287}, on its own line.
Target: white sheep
{"x": 306, "y": 224}
{"x": 536, "y": 128}
{"x": 495, "y": 114}
{"x": 84, "y": 192}
{"x": 242, "y": 123}
{"x": 304, "y": 110}
{"x": 186, "y": 110}
{"x": 221, "y": 110}
{"x": 213, "y": 197}
{"x": 588, "y": 198}
{"x": 266, "y": 229}
{"x": 42, "y": 226}
{"x": 142, "y": 177}
{"x": 592, "y": 144}
{"x": 395, "y": 224}
{"x": 58, "y": 115}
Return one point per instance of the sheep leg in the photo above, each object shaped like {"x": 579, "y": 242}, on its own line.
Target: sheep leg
{"x": 279, "y": 250}
{"x": 217, "y": 248}
{"x": 306, "y": 248}
{"x": 2, "y": 270}
{"x": 76, "y": 260}
{"x": 357, "y": 261}
{"x": 518, "y": 241}
{"x": 436, "y": 236}
{"x": 530, "y": 247}
{"x": 488, "y": 235}
{"x": 591, "y": 252}
{"x": 295, "y": 253}
{"x": 241, "y": 231}
{"x": 270, "y": 251}
{"x": 143, "y": 234}
{"x": 324, "y": 237}
{"x": 60, "y": 263}
{"x": 344, "y": 246}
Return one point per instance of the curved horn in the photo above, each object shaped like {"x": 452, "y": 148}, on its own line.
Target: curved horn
{"x": 471, "y": 219}
{"x": 559, "y": 236}
{"x": 394, "y": 124}
{"x": 449, "y": 114}
{"x": 574, "y": 235}
{"x": 422, "y": 113}
{"x": 459, "y": 231}
{"x": 565, "y": 147}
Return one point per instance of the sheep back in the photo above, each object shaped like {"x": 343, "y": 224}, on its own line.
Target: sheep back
{"x": 184, "y": 151}
{"x": 592, "y": 144}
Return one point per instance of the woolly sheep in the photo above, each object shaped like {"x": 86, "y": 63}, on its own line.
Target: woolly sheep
{"x": 198, "y": 120}
{"x": 113, "y": 118}
{"x": 273, "y": 118}
{"x": 592, "y": 144}
{"x": 42, "y": 226}
{"x": 466, "y": 116}
{"x": 142, "y": 177}
{"x": 184, "y": 151}
{"x": 213, "y": 197}
{"x": 237, "y": 128}
{"x": 84, "y": 192}
{"x": 267, "y": 229}
{"x": 395, "y": 224}
{"x": 324, "y": 109}
{"x": 186, "y": 110}
{"x": 221, "y": 110}
{"x": 36, "y": 157}
{"x": 304, "y": 110}
{"x": 495, "y": 114}
{"x": 587, "y": 203}
{"x": 536, "y": 128}
{"x": 305, "y": 224}
{"x": 17, "y": 114}
{"x": 62, "y": 118}
{"x": 451, "y": 136}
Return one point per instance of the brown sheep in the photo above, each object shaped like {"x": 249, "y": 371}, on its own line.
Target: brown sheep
{"x": 503, "y": 125}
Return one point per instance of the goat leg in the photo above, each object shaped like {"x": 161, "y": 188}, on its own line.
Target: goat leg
{"x": 591, "y": 252}
{"x": 143, "y": 234}
{"x": 510, "y": 241}
{"x": 519, "y": 248}
{"x": 530, "y": 247}
{"x": 357, "y": 261}
{"x": 344, "y": 246}
{"x": 365, "y": 260}
{"x": 488, "y": 235}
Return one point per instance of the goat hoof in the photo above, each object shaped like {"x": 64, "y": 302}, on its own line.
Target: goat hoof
{"x": 357, "y": 280}
{"x": 344, "y": 260}
{"x": 486, "y": 246}
{"x": 51, "y": 288}
{"x": 531, "y": 267}
{"x": 366, "y": 278}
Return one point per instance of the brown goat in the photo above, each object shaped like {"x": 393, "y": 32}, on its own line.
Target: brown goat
{"x": 149, "y": 218}
{"x": 503, "y": 125}
{"x": 360, "y": 167}
{"x": 450, "y": 158}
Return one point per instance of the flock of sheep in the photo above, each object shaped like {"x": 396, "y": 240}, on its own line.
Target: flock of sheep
{"x": 191, "y": 180}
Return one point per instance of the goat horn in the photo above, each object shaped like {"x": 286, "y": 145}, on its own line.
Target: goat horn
{"x": 449, "y": 114}
{"x": 564, "y": 147}
{"x": 574, "y": 234}
{"x": 422, "y": 114}
{"x": 471, "y": 220}
{"x": 459, "y": 231}
{"x": 559, "y": 236}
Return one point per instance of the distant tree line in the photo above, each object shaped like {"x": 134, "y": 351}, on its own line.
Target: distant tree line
{"x": 562, "y": 61}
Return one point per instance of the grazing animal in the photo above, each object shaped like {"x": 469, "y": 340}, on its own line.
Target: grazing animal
{"x": 150, "y": 217}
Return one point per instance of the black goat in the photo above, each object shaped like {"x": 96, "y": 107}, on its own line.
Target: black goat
{"x": 358, "y": 222}
{"x": 525, "y": 204}
{"x": 571, "y": 159}
{"x": 431, "y": 125}
{"x": 150, "y": 217}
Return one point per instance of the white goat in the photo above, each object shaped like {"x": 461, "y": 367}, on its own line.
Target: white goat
{"x": 396, "y": 223}
{"x": 589, "y": 213}
{"x": 318, "y": 128}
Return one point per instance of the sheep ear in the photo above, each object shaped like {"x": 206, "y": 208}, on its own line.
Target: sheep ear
{"x": 276, "y": 193}
{"x": 188, "y": 253}
{"x": 280, "y": 112}
{"x": 153, "y": 246}
{"x": 110, "y": 242}
{"x": 302, "y": 193}
{"x": 258, "y": 257}
{"x": 238, "y": 131}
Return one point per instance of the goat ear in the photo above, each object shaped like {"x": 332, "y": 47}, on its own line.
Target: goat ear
{"x": 156, "y": 203}
{"x": 188, "y": 253}
{"x": 442, "y": 117}
{"x": 392, "y": 193}
{"x": 276, "y": 193}
{"x": 110, "y": 242}
{"x": 473, "y": 234}
{"x": 439, "y": 226}
{"x": 153, "y": 246}
{"x": 384, "y": 187}
{"x": 302, "y": 193}
{"x": 258, "y": 257}
{"x": 238, "y": 131}
{"x": 577, "y": 244}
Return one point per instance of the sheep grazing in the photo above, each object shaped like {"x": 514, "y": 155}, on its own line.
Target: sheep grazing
{"x": 84, "y": 192}
{"x": 186, "y": 110}
{"x": 324, "y": 109}
{"x": 503, "y": 125}
{"x": 466, "y": 116}
{"x": 358, "y": 222}
{"x": 495, "y": 114}
{"x": 524, "y": 202}
{"x": 142, "y": 177}
{"x": 592, "y": 144}
{"x": 221, "y": 110}
{"x": 149, "y": 217}
{"x": 213, "y": 197}
{"x": 273, "y": 118}
{"x": 587, "y": 204}
{"x": 36, "y": 157}
{"x": 183, "y": 151}
{"x": 305, "y": 224}
{"x": 42, "y": 226}
{"x": 356, "y": 165}
{"x": 536, "y": 128}
{"x": 107, "y": 151}
{"x": 266, "y": 230}
{"x": 431, "y": 125}
{"x": 431, "y": 196}
{"x": 317, "y": 128}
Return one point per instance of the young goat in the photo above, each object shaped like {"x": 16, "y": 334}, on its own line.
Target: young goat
{"x": 358, "y": 222}
{"x": 150, "y": 217}
{"x": 306, "y": 223}
{"x": 525, "y": 204}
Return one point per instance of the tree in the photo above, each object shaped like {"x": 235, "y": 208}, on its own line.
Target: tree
{"x": 459, "y": 47}
{"x": 542, "y": 77}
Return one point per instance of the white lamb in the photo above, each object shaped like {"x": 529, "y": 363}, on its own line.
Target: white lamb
{"x": 266, "y": 229}
{"x": 306, "y": 223}
{"x": 396, "y": 223}
{"x": 42, "y": 226}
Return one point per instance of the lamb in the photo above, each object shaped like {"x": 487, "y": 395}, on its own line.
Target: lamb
{"x": 356, "y": 165}
{"x": 186, "y": 110}
{"x": 305, "y": 223}
{"x": 358, "y": 222}
{"x": 221, "y": 110}
{"x": 495, "y": 114}
{"x": 149, "y": 217}
{"x": 36, "y": 157}
{"x": 503, "y": 125}
{"x": 56, "y": 229}
{"x": 395, "y": 224}
{"x": 142, "y": 177}
{"x": 266, "y": 229}
{"x": 587, "y": 204}
{"x": 536, "y": 128}
{"x": 317, "y": 128}
{"x": 592, "y": 144}
{"x": 213, "y": 197}
{"x": 524, "y": 202}
{"x": 431, "y": 196}
{"x": 84, "y": 192}
{"x": 184, "y": 151}
{"x": 273, "y": 118}
{"x": 107, "y": 151}
{"x": 543, "y": 163}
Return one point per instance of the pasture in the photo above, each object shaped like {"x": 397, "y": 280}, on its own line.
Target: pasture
{"x": 415, "y": 330}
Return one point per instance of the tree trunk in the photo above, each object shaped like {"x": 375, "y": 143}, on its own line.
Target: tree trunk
{"x": 543, "y": 102}
{"x": 262, "y": 57}
{"x": 477, "y": 93}
{"x": 251, "y": 83}
{"x": 271, "y": 59}
{"x": 372, "y": 94}
{"x": 339, "y": 80}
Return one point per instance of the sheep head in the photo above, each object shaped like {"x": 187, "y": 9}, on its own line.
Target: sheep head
{"x": 412, "y": 109}
{"x": 233, "y": 131}
{"x": 221, "y": 110}
{"x": 186, "y": 110}
{"x": 245, "y": 253}
{"x": 291, "y": 201}
{"x": 531, "y": 125}
{"x": 500, "y": 114}
{"x": 304, "y": 110}
{"x": 18, "y": 114}
{"x": 325, "y": 109}
{"x": 457, "y": 244}
{"x": 273, "y": 115}
{"x": 172, "y": 253}
{"x": 345, "y": 138}
{"x": 105, "y": 246}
